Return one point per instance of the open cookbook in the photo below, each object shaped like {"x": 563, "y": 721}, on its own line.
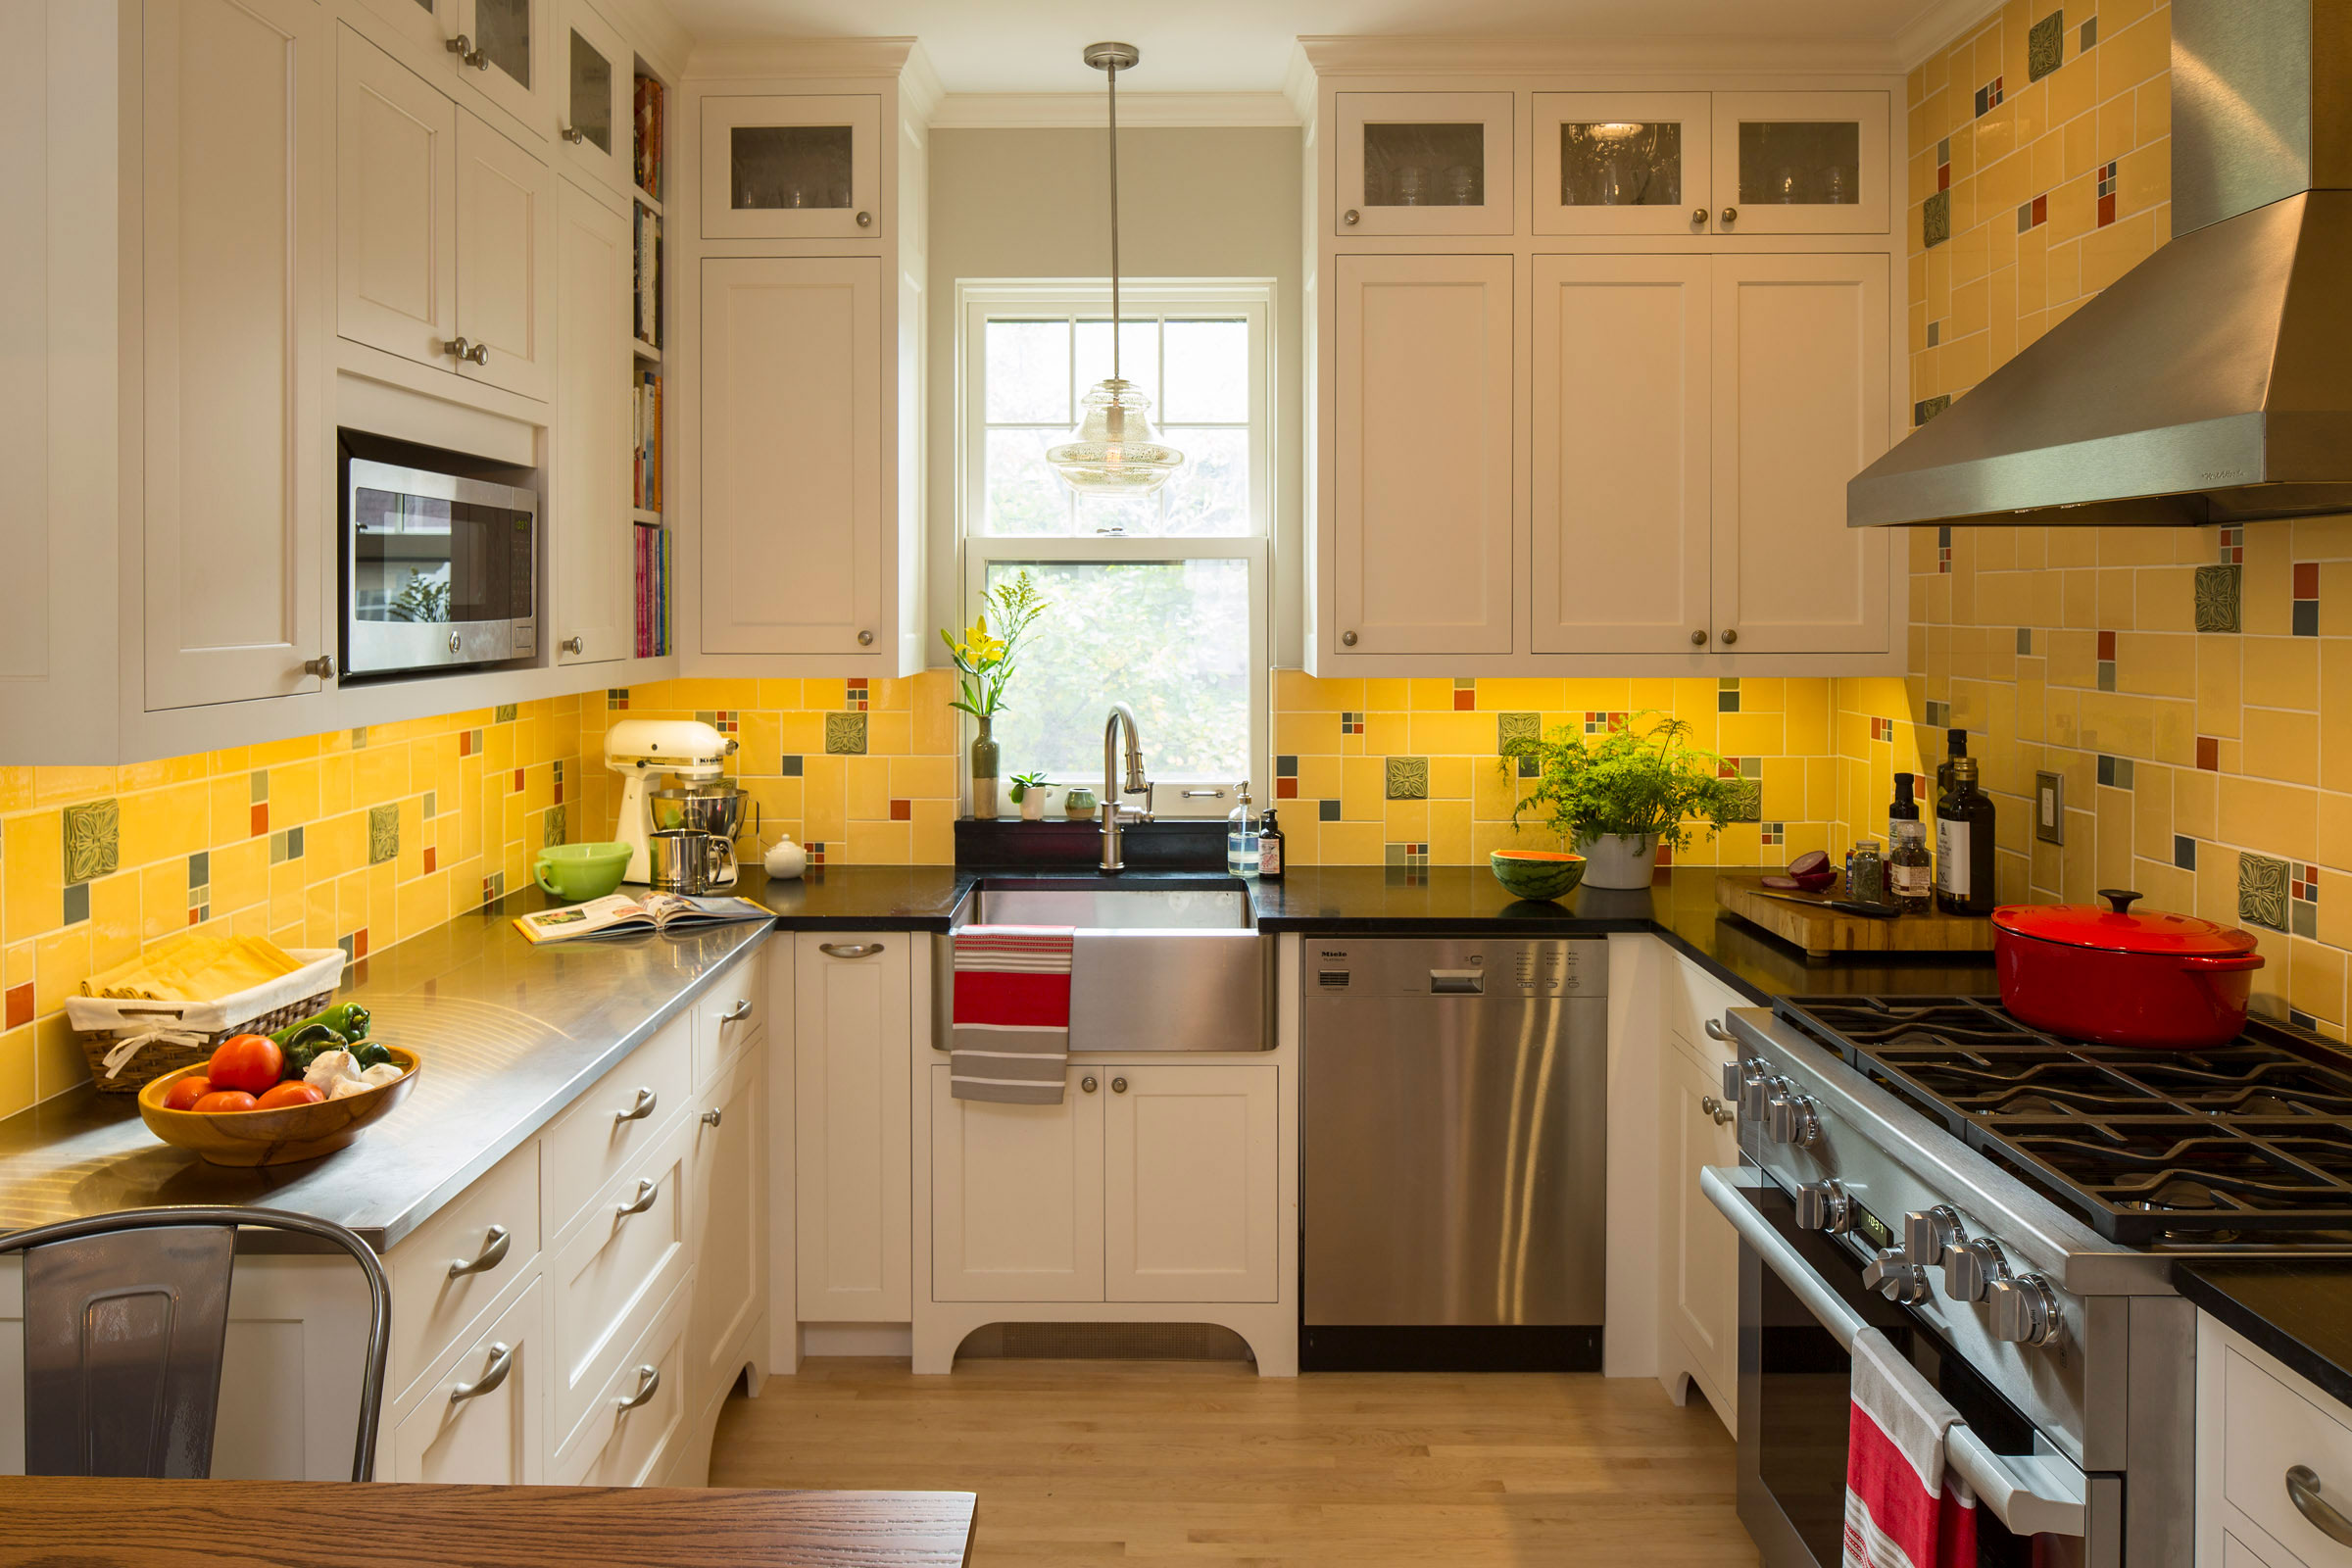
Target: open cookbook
{"x": 621, "y": 911}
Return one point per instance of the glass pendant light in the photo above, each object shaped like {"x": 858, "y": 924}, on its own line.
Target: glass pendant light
{"x": 1113, "y": 451}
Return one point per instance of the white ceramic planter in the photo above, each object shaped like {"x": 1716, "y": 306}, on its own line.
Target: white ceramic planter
{"x": 1033, "y": 804}
{"x": 1619, "y": 859}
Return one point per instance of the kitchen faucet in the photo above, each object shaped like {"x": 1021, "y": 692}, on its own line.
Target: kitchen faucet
{"x": 1136, "y": 784}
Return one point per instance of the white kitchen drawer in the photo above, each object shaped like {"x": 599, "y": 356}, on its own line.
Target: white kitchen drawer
{"x": 615, "y": 1122}
{"x": 728, "y": 1016}
{"x": 631, "y": 1445}
{"x": 2268, "y": 1427}
{"x": 1695, "y": 999}
{"x": 607, "y": 1280}
{"x": 2235, "y": 1553}
{"x": 491, "y": 1231}
{"x": 477, "y": 1418}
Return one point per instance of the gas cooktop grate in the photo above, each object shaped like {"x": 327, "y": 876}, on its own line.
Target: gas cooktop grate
{"x": 2148, "y": 1145}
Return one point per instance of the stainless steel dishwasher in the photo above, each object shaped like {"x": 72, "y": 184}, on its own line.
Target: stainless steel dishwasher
{"x": 1454, "y": 1126}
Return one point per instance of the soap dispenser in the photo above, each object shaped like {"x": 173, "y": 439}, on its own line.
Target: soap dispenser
{"x": 1240, "y": 835}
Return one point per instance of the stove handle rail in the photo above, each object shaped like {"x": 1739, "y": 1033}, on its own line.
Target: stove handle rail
{"x": 2033, "y": 1495}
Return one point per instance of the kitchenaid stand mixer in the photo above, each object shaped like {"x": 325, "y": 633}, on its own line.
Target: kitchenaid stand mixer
{"x": 640, "y": 750}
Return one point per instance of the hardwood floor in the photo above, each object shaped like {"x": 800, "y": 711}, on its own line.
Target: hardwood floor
{"x": 1087, "y": 1462}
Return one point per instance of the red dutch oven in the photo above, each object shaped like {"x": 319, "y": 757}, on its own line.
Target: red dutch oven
{"x": 2116, "y": 978}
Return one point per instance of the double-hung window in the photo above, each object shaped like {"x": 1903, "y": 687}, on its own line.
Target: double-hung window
{"x": 1157, "y": 600}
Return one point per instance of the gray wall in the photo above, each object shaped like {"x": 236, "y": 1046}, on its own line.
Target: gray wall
{"x": 1195, "y": 203}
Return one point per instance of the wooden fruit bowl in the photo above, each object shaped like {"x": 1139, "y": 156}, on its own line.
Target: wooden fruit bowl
{"x": 277, "y": 1137}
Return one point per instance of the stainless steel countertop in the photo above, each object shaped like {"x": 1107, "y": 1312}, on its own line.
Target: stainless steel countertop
{"x": 509, "y": 1035}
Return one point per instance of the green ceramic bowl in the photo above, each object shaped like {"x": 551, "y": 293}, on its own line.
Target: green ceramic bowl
{"x": 1536, "y": 873}
{"x": 577, "y": 872}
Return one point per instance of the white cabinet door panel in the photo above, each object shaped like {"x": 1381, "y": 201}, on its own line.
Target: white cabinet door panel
{"x": 396, "y": 186}
{"x": 728, "y": 1211}
{"x": 853, "y": 1027}
{"x": 588, "y": 524}
{"x": 505, "y": 260}
{"x": 1190, "y": 1183}
{"x": 1702, "y": 1258}
{"x": 1622, "y": 163}
{"x": 481, "y": 1421}
{"x": 1016, "y": 1195}
{"x": 1800, "y": 163}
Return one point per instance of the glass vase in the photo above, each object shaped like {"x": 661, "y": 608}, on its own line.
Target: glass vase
{"x": 984, "y": 775}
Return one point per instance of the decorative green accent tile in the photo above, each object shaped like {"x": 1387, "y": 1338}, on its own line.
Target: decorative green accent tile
{"x": 1927, "y": 407}
{"x": 2220, "y": 591}
{"x": 504, "y": 714}
{"x": 2262, "y": 891}
{"x": 1752, "y": 767}
{"x": 76, "y": 905}
{"x": 1936, "y": 220}
{"x": 261, "y": 785}
{"x": 2305, "y": 919}
{"x": 1408, "y": 778}
{"x": 358, "y": 736}
{"x": 554, "y": 827}
{"x": 845, "y": 734}
{"x": 1748, "y": 800}
{"x": 383, "y": 833}
{"x": 1509, "y": 727}
{"x": 93, "y": 839}
{"x": 432, "y": 799}
{"x": 2045, "y": 45}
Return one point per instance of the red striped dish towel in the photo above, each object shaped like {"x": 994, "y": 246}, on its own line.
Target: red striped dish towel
{"x": 1905, "y": 1508}
{"x": 1011, "y": 1040}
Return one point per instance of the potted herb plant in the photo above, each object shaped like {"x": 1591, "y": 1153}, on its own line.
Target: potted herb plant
{"x": 984, "y": 664}
{"x": 1619, "y": 797}
{"x": 1028, "y": 792}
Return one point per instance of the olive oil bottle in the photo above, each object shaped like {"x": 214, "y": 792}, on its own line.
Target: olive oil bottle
{"x": 1964, "y": 844}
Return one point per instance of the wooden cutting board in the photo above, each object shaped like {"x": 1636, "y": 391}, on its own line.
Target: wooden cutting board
{"x": 1821, "y": 930}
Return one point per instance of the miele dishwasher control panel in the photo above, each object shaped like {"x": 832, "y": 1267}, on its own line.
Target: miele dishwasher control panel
{"x": 1468, "y": 967}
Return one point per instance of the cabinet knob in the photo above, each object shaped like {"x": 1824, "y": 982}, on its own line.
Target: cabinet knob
{"x": 865, "y": 220}
{"x": 462, "y": 47}
{"x": 1731, "y": 216}
{"x": 1351, "y": 218}
{"x": 1698, "y": 639}
{"x": 479, "y": 354}
{"x": 575, "y": 645}
{"x": 1729, "y": 636}
{"x": 1118, "y": 1086}
{"x": 457, "y": 348}
{"x": 323, "y": 666}
{"x": 711, "y": 1117}
{"x": 573, "y": 135}
{"x": 1347, "y": 639}
{"x": 1699, "y": 215}
{"x": 1087, "y": 1083}
{"x": 866, "y": 639}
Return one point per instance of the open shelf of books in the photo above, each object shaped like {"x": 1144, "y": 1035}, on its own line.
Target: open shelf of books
{"x": 651, "y": 536}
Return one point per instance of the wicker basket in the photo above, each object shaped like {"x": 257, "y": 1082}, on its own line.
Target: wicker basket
{"x": 185, "y": 1033}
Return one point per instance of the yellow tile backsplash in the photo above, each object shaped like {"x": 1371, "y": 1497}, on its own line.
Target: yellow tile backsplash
{"x": 2191, "y": 686}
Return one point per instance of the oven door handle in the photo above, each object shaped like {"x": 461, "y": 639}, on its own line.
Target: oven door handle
{"x": 2041, "y": 1493}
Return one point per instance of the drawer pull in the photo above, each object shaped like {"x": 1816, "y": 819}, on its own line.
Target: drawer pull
{"x": 849, "y": 950}
{"x": 502, "y": 1362}
{"x": 494, "y": 1253}
{"x": 646, "y": 1191}
{"x": 649, "y": 1379}
{"x": 646, "y": 1100}
{"x": 2303, "y": 1490}
{"x": 1716, "y": 1031}
{"x": 738, "y": 1013}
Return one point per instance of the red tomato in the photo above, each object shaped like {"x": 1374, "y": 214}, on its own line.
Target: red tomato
{"x": 251, "y": 1062}
{"x": 185, "y": 1092}
{"x": 293, "y": 1092}
{"x": 224, "y": 1100}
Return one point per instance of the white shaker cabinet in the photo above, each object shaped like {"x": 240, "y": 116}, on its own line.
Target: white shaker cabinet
{"x": 792, "y": 165}
{"x": 597, "y": 85}
{"x": 853, "y": 1024}
{"x": 1190, "y": 1156}
{"x": 1800, "y": 163}
{"x": 479, "y": 1418}
{"x": 1017, "y": 1194}
{"x": 236, "y": 492}
{"x": 1423, "y": 417}
{"x": 727, "y": 1177}
{"x": 588, "y": 521}
{"x": 1622, "y": 163}
{"x": 1700, "y": 1260}
{"x": 506, "y": 243}
{"x": 1425, "y": 162}
{"x": 791, "y": 437}
{"x": 396, "y": 217}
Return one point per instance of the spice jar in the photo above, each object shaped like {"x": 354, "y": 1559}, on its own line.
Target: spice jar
{"x": 1910, "y": 868}
{"x": 1866, "y": 880}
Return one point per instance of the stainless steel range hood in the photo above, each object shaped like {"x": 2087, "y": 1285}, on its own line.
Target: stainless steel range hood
{"x": 2213, "y": 382}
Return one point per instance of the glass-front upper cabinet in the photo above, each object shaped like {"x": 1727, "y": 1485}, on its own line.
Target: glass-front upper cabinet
{"x": 1424, "y": 162}
{"x": 506, "y": 54}
{"x": 1800, "y": 163}
{"x": 599, "y": 80}
{"x": 1619, "y": 163}
{"x": 793, "y": 167}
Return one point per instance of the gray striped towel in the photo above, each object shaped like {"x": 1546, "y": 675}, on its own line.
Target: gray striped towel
{"x": 1011, "y": 1040}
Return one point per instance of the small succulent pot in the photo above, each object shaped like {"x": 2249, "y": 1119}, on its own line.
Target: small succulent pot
{"x": 1033, "y": 804}
{"x": 1079, "y": 803}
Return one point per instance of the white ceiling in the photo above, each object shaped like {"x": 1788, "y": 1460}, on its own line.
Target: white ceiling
{"x": 989, "y": 46}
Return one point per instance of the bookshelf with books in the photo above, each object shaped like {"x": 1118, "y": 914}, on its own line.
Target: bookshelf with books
{"x": 654, "y": 545}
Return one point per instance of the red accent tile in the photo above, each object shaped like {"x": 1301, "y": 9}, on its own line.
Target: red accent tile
{"x": 429, "y": 858}
{"x": 465, "y": 743}
{"x": 559, "y": 792}
{"x": 2106, "y": 210}
{"x": 19, "y": 1004}
{"x": 1463, "y": 701}
{"x": 193, "y": 916}
{"x": 2209, "y": 753}
{"x": 1286, "y": 788}
{"x": 518, "y": 780}
{"x": 358, "y": 942}
{"x": 2307, "y": 579}
{"x": 261, "y": 819}
{"x": 901, "y": 811}
{"x": 2106, "y": 645}
{"x": 2041, "y": 210}
{"x": 1944, "y": 176}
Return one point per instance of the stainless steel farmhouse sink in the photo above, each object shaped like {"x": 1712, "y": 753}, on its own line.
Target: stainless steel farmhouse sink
{"x": 1162, "y": 965}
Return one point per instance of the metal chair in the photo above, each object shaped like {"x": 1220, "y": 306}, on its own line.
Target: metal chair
{"x": 125, "y": 1315}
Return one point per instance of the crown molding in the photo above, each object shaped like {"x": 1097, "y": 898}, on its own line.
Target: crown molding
{"x": 920, "y": 92}
{"x": 656, "y": 30}
{"x": 1403, "y": 55}
{"x": 1939, "y": 24}
{"x": 1007, "y": 111}
{"x": 808, "y": 56}
{"x": 1298, "y": 82}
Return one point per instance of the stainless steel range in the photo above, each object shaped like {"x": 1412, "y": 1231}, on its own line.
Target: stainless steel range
{"x": 2006, "y": 1205}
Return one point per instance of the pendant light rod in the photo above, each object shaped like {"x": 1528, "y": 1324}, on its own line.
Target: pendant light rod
{"x": 1111, "y": 59}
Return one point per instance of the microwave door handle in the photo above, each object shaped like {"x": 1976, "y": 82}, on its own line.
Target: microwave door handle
{"x": 2040, "y": 1494}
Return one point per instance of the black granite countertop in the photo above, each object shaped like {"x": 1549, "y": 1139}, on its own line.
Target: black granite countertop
{"x": 2300, "y": 1312}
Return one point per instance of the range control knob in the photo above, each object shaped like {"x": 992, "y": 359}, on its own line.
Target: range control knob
{"x": 1927, "y": 1232}
{"x": 1792, "y": 1118}
{"x": 1896, "y": 1277}
{"x": 1824, "y": 1206}
{"x": 1757, "y": 1088}
{"x": 2025, "y": 1310}
{"x": 1973, "y": 1267}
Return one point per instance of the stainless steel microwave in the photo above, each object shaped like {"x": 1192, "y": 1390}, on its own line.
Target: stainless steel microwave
{"x": 438, "y": 569}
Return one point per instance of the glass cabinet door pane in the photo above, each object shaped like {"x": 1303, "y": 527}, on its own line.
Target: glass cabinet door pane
{"x": 591, "y": 94}
{"x": 1814, "y": 163}
{"x": 503, "y": 33}
{"x": 1425, "y": 165}
{"x": 788, "y": 167}
{"x": 1619, "y": 163}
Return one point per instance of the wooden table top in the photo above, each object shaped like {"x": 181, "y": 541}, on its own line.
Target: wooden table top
{"x": 272, "y": 1523}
